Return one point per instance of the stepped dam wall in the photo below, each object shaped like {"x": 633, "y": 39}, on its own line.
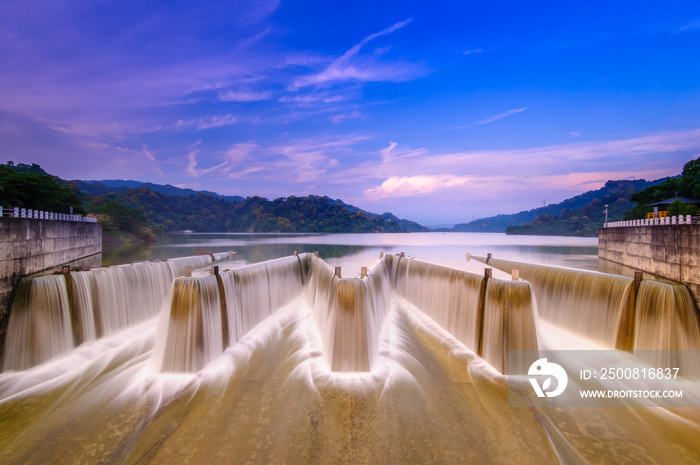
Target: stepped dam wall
{"x": 670, "y": 252}
{"x": 29, "y": 246}
{"x": 204, "y": 314}
{"x": 617, "y": 312}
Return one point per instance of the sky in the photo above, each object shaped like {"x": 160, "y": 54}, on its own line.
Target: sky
{"x": 439, "y": 112}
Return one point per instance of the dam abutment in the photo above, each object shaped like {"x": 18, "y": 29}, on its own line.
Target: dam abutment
{"x": 30, "y": 246}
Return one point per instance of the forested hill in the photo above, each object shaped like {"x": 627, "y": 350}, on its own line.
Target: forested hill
{"x": 581, "y": 215}
{"x": 107, "y": 186}
{"x": 206, "y": 213}
{"x": 140, "y": 212}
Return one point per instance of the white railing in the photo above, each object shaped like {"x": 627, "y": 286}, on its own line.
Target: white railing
{"x": 16, "y": 212}
{"x": 681, "y": 219}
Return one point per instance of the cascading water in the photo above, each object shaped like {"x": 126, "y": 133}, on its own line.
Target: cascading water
{"x": 202, "y": 316}
{"x": 349, "y": 314}
{"x": 608, "y": 309}
{"x": 270, "y": 398}
{"x": 586, "y": 302}
{"x": 40, "y": 323}
{"x": 666, "y": 320}
{"x": 509, "y": 324}
{"x": 193, "y": 332}
{"x": 450, "y": 297}
{"x": 85, "y": 305}
{"x": 491, "y": 320}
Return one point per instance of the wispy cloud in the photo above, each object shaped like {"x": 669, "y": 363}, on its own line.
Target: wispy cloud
{"x": 207, "y": 122}
{"x": 191, "y": 169}
{"x": 337, "y": 119}
{"x": 471, "y": 52}
{"x": 576, "y": 133}
{"x": 244, "y": 96}
{"x": 505, "y": 114}
{"x": 691, "y": 25}
{"x": 351, "y": 66}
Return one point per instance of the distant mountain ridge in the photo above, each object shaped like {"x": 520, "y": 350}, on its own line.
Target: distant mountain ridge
{"x": 580, "y": 215}
{"x": 106, "y": 186}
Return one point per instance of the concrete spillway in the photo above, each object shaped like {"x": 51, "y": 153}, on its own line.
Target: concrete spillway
{"x": 492, "y": 318}
{"x": 286, "y": 362}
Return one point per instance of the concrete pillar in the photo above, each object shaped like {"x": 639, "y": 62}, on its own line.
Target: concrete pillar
{"x": 403, "y": 254}
{"x": 337, "y": 272}
{"x": 230, "y": 254}
{"x": 515, "y": 273}
{"x": 482, "y": 310}
{"x": 381, "y": 254}
{"x": 488, "y": 257}
{"x": 188, "y": 271}
{"x": 296, "y": 253}
{"x": 363, "y": 272}
{"x": 469, "y": 256}
{"x": 215, "y": 270}
{"x": 316, "y": 253}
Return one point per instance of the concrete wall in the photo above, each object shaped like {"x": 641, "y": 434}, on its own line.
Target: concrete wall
{"x": 29, "y": 246}
{"x": 669, "y": 252}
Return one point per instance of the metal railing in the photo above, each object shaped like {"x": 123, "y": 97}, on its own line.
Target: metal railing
{"x": 16, "y": 212}
{"x": 669, "y": 220}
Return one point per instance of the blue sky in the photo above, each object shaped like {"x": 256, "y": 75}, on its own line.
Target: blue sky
{"x": 439, "y": 112}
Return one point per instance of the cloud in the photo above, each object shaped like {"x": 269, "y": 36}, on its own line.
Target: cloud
{"x": 505, "y": 114}
{"x": 576, "y": 133}
{"x": 470, "y": 52}
{"x": 191, "y": 169}
{"x": 408, "y": 186}
{"x": 244, "y": 96}
{"x": 207, "y": 122}
{"x": 691, "y": 25}
{"x": 351, "y": 66}
{"x": 337, "y": 119}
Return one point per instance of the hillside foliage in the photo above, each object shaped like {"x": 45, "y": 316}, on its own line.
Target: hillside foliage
{"x": 29, "y": 186}
{"x": 686, "y": 185}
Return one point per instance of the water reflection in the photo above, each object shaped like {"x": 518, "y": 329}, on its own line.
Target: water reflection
{"x": 352, "y": 251}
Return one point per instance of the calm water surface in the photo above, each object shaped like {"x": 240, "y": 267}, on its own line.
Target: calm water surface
{"x": 352, "y": 251}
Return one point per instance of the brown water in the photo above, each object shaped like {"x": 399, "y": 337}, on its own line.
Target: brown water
{"x": 273, "y": 394}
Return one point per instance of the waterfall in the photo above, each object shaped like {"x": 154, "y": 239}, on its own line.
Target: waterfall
{"x": 666, "y": 320}
{"x": 610, "y": 309}
{"x": 53, "y": 314}
{"x": 256, "y": 291}
{"x": 509, "y": 324}
{"x": 194, "y": 333}
{"x": 586, "y": 302}
{"x": 349, "y": 314}
{"x": 202, "y": 316}
{"x": 40, "y": 323}
{"x": 491, "y": 320}
{"x": 450, "y": 297}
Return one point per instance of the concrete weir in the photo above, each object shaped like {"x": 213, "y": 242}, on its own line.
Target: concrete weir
{"x": 619, "y": 312}
{"x": 488, "y": 315}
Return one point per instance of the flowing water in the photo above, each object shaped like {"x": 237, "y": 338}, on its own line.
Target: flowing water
{"x": 286, "y": 362}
